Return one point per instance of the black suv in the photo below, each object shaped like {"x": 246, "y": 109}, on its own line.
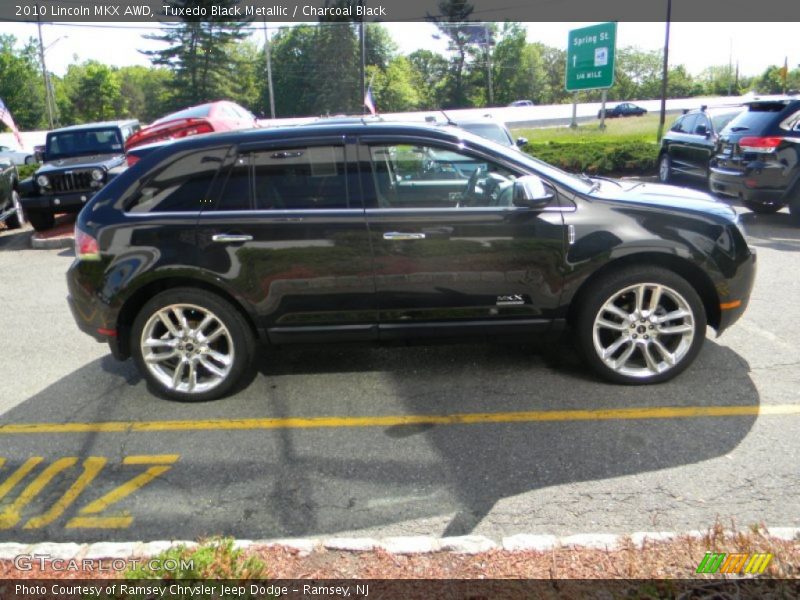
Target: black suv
{"x": 688, "y": 146}
{"x": 78, "y": 161}
{"x": 758, "y": 157}
{"x": 10, "y": 209}
{"x": 387, "y": 231}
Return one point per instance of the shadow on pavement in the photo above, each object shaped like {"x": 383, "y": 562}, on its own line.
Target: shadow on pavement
{"x": 286, "y": 482}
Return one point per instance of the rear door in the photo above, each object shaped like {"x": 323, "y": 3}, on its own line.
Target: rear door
{"x": 452, "y": 253}
{"x": 287, "y": 234}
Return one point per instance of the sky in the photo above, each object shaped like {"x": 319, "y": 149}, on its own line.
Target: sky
{"x": 694, "y": 45}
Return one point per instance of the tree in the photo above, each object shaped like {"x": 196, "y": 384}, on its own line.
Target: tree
{"x": 21, "y": 84}
{"x": 428, "y": 74}
{"x": 394, "y": 87}
{"x": 200, "y": 53}
{"x": 517, "y": 67}
{"x": 452, "y": 22}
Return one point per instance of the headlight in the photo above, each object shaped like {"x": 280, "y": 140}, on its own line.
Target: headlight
{"x": 42, "y": 181}
{"x": 97, "y": 174}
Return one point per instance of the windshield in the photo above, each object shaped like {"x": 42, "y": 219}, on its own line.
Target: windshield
{"x": 83, "y": 142}
{"x": 491, "y": 131}
{"x": 719, "y": 121}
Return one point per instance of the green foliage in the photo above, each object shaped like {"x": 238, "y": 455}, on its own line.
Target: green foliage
{"x": 213, "y": 559}
{"x": 598, "y": 157}
{"x": 25, "y": 171}
{"x": 199, "y": 53}
{"x": 21, "y": 83}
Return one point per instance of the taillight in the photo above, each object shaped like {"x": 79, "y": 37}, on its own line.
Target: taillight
{"x": 196, "y": 130}
{"x": 86, "y": 247}
{"x": 759, "y": 144}
{"x": 132, "y": 160}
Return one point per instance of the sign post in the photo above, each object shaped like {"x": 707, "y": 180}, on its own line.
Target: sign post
{"x": 591, "y": 53}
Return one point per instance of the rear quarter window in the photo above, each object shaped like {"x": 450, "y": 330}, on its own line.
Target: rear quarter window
{"x": 181, "y": 185}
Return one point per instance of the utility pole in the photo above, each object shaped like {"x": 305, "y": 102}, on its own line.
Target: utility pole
{"x": 664, "y": 75}
{"x": 268, "y": 52}
{"x": 363, "y": 44}
{"x": 488, "y": 47}
{"x": 48, "y": 91}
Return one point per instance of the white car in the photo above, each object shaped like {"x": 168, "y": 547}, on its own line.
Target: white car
{"x": 18, "y": 157}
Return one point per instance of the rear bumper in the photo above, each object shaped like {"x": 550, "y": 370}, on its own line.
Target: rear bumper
{"x": 92, "y": 316}
{"x": 763, "y": 185}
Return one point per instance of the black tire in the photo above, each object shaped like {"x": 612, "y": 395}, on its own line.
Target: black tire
{"x": 237, "y": 341}
{"x": 677, "y": 294}
{"x": 760, "y": 208}
{"x": 794, "y": 212}
{"x": 16, "y": 220}
{"x": 41, "y": 221}
{"x": 664, "y": 168}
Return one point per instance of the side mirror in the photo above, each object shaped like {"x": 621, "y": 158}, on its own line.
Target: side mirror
{"x": 702, "y": 130}
{"x": 38, "y": 155}
{"x": 521, "y": 141}
{"x": 530, "y": 192}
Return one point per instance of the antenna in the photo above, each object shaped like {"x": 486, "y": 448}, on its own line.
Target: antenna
{"x": 449, "y": 120}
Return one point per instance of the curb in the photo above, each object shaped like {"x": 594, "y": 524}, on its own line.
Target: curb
{"x": 41, "y": 243}
{"x": 467, "y": 544}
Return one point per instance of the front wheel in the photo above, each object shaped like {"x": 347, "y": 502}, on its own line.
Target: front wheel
{"x": 664, "y": 168}
{"x": 641, "y": 325}
{"x": 761, "y": 208}
{"x": 16, "y": 220}
{"x": 42, "y": 221}
{"x": 191, "y": 345}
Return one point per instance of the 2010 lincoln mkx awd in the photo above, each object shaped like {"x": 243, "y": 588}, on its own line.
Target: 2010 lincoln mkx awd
{"x": 210, "y": 247}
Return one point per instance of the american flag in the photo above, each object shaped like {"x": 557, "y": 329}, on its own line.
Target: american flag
{"x": 5, "y": 117}
{"x": 369, "y": 101}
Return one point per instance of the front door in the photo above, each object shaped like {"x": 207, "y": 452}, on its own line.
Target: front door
{"x": 449, "y": 245}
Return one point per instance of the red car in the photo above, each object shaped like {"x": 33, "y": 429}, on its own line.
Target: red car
{"x": 203, "y": 118}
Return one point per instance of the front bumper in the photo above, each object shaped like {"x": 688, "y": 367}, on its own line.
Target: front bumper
{"x": 734, "y": 293}
{"x": 56, "y": 203}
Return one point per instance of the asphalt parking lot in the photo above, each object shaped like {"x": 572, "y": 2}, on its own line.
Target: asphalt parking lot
{"x": 492, "y": 439}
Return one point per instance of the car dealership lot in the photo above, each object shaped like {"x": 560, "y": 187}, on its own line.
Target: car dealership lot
{"x": 396, "y": 440}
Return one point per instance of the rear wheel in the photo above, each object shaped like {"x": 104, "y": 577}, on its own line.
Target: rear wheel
{"x": 16, "y": 220}
{"x": 191, "y": 345}
{"x": 761, "y": 208}
{"x": 42, "y": 221}
{"x": 641, "y": 325}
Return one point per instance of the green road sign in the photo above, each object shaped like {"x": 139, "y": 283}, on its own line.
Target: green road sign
{"x": 590, "y": 57}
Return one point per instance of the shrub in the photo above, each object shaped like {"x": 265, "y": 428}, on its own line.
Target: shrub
{"x": 598, "y": 157}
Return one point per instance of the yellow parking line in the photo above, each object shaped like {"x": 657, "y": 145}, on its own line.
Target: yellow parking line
{"x": 609, "y": 414}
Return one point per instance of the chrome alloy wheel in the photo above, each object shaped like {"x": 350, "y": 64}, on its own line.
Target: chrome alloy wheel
{"x": 664, "y": 168}
{"x": 643, "y": 330}
{"x": 187, "y": 348}
{"x": 17, "y": 202}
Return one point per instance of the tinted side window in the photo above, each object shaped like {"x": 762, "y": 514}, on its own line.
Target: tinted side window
{"x": 237, "y": 189}
{"x": 414, "y": 176}
{"x": 181, "y": 185}
{"x": 301, "y": 178}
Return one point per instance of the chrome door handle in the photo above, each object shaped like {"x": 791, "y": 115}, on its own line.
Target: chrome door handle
{"x": 231, "y": 238}
{"x": 398, "y": 235}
